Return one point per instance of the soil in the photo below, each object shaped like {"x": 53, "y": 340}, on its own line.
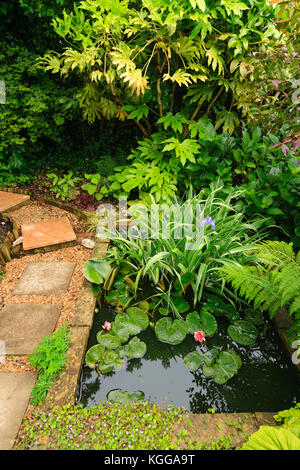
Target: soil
{"x": 41, "y": 187}
{"x": 5, "y": 227}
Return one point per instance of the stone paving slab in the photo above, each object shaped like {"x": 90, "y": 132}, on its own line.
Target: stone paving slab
{"x": 12, "y": 201}
{"x": 45, "y": 278}
{"x": 47, "y": 233}
{"x": 22, "y": 326}
{"x": 15, "y": 389}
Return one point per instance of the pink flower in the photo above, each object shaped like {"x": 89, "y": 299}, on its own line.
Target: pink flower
{"x": 199, "y": 336}
{"x": 106, "y": 326}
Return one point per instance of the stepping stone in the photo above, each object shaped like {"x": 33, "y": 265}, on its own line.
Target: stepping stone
{"x": 15, "y": 389}
{"x": 45, "y": 279}
{"x": 47, "y": 233}
{"x": 9, "y": 201}
{"x": 22, "y": 326}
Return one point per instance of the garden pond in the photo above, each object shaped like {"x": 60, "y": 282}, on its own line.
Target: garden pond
{"x": 266, "y": 381}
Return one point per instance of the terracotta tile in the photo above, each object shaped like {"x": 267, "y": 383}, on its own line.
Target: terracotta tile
{"x": 11, "y": 200}
{"x": 50, "y": 232}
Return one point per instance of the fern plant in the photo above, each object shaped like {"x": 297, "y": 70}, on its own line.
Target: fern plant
{"x": 271, "y": 283}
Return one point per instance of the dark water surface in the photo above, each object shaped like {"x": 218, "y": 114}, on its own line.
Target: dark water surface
{"x": 267, "y": 380}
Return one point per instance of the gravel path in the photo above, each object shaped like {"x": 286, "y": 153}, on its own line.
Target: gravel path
{"x": 32, "y": 213}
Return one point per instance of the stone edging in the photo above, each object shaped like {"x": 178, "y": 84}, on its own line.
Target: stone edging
{"x": 64, "y": 389}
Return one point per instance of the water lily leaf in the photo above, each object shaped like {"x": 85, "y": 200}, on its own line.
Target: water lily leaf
{"x": 193, "y": 360}
{"x": 131, "y": 322}
{"x": 254, "y": 316}
{"x": 135, "y": 348}
{"x": 108, "y": 340}
{"x": 119, "y": 396}
{"x": 243, "y": 332}
{"x": 96, "y": 270}
{"x": 272, "y": 438}
{"x": 93, "y": 355}
{"x": 138, "y": 316}
{"x": 172, "y": 332}
{"x": 224, "y": 368}
{"x": 201, "y": 321}
{"x": 210, "y": 356}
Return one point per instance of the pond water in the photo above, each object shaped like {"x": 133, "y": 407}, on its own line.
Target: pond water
{"x": 267, "y": 380}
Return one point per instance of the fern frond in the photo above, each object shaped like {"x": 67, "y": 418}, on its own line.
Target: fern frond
{"x": 274, "y": 253}
{"x": 253, "y": 283}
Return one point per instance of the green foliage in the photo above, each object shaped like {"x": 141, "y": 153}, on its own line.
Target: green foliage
{"x": 36, "y": 108}
{"x": 222, "y": 366}
{"x": 134, "y": 57}
{"x": 173, "y": 262}
{"x": 243, "y": 332}
{"x": 272, "y": 282}
{"x": 284, "y": 437}
{"x": 49, "y": 358}
{"x": 64, "y": 186}
{"x": 108, "y": 354}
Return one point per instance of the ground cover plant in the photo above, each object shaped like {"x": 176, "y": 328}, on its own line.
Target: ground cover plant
{"x": 110, "y": 427}
{"x": 49, "y": 358}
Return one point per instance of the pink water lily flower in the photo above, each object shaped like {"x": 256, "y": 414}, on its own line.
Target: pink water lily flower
{"x": 199, "y": 336}
{"x": 106, "y": 326}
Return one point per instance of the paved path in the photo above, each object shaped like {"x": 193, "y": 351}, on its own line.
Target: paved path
{"x": 22, "y": 326}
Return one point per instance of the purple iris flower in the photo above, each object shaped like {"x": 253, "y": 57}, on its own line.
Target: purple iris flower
{"x": 208, "y": 221}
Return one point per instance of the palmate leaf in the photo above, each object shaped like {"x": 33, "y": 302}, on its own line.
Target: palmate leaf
{"x": 184, "y": 150}
{"x": 136, "y": 81}
{"x": 229, "y": 120}
{"x": 136, "y": 111}
{"x": 176, "y": 121}
{"x": 198, "y": 3}
{"x": 234, "y": 6}
{"x": 181, "y": 77}
{"x": 214, "y": 59}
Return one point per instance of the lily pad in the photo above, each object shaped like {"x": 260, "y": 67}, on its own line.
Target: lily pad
{"x": 119, "y": 396}
{"x": 201, "y": 321}
{"x": 96, "y": 270}
{"x": 171, "y": 332}
{"x": 131, "y": 322}
{"x": 225, "y": 367}
{"x": 243, "y": 332}
{"x": 134, "y": 349}
{"x": 108, "y": 340}
{"x": 193, "y": 360}
{"x": 93, "y": 355}
{"x": 254, "y": 316}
